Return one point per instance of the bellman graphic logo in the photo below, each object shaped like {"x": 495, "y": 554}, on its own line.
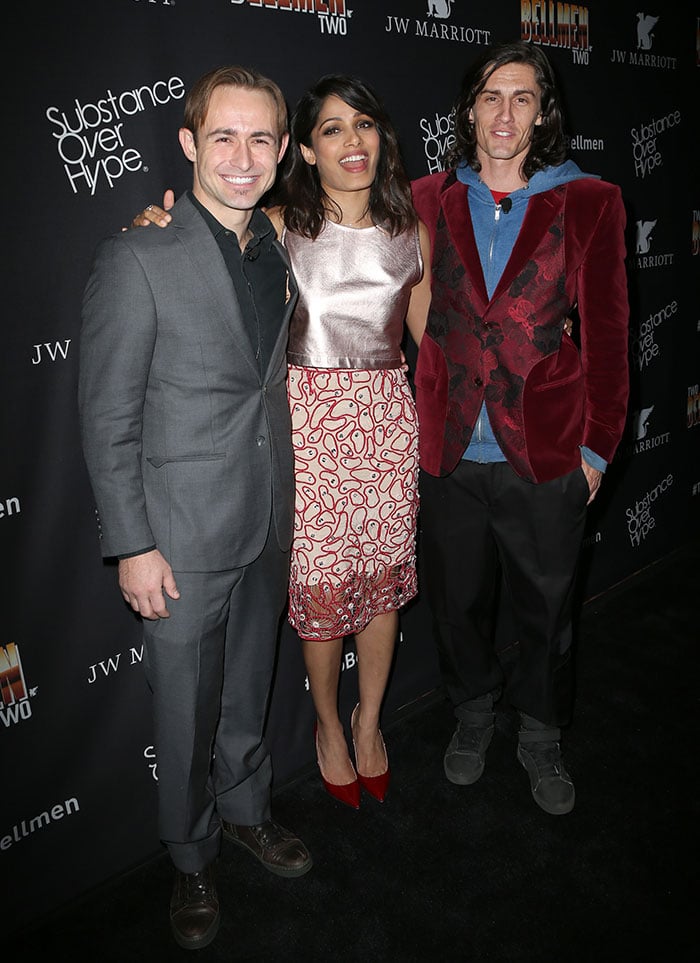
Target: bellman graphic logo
{"x": 440, "y": 9}
{"x": 14, "y": 695}
{"x": 644, "y": 435}
{"x": 644, "y": 229}
{"x": 645, "y": 239}
{"x": 645, "y": 25}
{"x": 640, "y": 421}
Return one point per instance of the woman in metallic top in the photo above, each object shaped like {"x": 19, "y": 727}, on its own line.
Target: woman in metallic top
{"x": 361, "y": 261}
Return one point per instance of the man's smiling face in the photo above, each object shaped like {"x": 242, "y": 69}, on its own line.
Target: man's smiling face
{"x": 506, "y": 113}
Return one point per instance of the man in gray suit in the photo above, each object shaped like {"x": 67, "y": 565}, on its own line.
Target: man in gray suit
{"x": 186, "y": 433}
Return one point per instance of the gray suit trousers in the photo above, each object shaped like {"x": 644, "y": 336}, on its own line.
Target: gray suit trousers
{"x": 210, "y": 668}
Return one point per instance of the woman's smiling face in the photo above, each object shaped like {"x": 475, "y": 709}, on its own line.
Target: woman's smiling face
{"x": 345, "y": 147}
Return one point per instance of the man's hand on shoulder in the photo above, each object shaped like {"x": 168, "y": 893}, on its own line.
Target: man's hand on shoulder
{"x": 143, "y": 579}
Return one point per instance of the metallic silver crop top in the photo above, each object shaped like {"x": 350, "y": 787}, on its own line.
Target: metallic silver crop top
{"x": 354, "y": 288}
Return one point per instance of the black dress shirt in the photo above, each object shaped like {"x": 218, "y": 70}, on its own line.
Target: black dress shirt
{"x": 259, "y": 277}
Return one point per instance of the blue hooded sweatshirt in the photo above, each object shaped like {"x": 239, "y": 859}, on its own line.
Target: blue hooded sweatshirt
{"x": 496, "y": 232}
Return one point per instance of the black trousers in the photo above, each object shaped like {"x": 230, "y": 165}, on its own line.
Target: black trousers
{"x": 476, "y": 524}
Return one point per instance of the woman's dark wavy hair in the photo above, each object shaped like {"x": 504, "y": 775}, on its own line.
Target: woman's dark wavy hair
{"x": 300, "y": 193}
{"x": 548, "y": 146}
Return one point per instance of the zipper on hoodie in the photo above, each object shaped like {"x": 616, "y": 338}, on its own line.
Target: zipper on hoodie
{"x": 479, "y": 427}
{"x": 492, "y": 241}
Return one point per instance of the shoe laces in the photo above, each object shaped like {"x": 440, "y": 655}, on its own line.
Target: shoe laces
{"x": 547, "y": 758}
{"x": 198, "y": 886}
{"x": 469, "y": 737}
{"x": 269, "y": 834}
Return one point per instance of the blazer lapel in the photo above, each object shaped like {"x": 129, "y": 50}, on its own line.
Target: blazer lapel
{"x": 202, "y": 249}
{"x": 291, "y": 300}
{"x": 541, "y": 211}
{"x": 455, "y": 206}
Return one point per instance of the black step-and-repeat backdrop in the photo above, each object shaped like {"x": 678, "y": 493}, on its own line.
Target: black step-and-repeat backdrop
{"x": 92, "y": 111}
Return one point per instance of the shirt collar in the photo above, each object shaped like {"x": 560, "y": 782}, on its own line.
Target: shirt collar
{"x": 260, "y": 225}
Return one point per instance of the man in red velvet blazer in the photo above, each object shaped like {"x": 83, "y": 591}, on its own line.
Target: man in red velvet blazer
{"x": 518, "y": 421}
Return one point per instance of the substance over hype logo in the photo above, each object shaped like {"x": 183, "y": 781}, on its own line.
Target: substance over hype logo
{"x": 440, "y": 20}
{"x": 645, "y": 348}
{"x": 561, "y": 25}
{"x": 332, "y": 15}
{"x": 641, "y": 55}
{"x": 14, "y": 691}
{"x": 641, "y": 520}
{"x": 646, "y": 152}
{"x": 92, "y": 136}
{"x": 437, "y": 133}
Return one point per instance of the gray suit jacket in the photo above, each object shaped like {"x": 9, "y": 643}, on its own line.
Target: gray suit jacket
{"x": 187, "y": 446}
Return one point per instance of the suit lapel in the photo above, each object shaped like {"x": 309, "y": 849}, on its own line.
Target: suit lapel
{"x": 292, "y": 291}
{"x": 455, "y": 206}
{"x": 541, "y": 212}
{"x": 201, "y": 247}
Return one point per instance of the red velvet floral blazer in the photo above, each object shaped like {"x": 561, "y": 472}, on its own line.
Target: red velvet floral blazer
{"x": 544, "y": 397}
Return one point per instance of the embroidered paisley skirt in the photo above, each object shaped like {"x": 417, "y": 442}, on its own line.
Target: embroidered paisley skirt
{"x": 355, "y": 438}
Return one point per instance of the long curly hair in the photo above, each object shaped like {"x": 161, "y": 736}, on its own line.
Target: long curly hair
{"x": 548, "y": 145}
{"x": 300, "y": 192}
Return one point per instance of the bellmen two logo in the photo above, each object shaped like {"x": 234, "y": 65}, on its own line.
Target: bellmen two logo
{"x": 14, "y": 694}
{"x": 562, "y": 25}
{"x": 332, "y": 15}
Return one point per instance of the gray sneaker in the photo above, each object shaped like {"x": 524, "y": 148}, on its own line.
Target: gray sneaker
{"x": 464, "y": 757}
{"x": 540, "y": 753}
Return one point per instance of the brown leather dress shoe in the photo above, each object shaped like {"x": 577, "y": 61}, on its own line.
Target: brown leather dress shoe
{"x": 194, "y": 909}
{"x": 277, "y": 849}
